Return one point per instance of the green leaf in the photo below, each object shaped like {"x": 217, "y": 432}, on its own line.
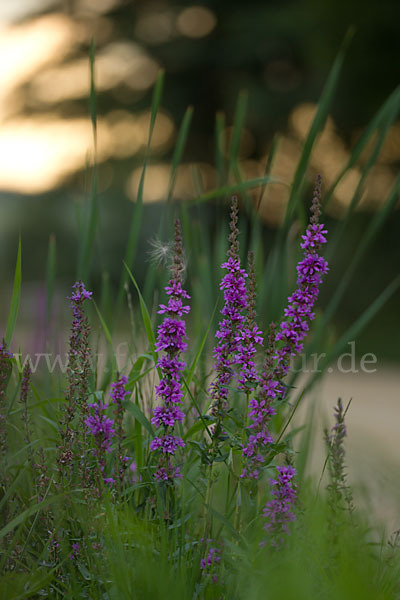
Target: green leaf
{"x": 228, "y": 190}
{"x": 141, "y": 417}
{"x": 146, "y": 319}
{"x": 32, "y": 510}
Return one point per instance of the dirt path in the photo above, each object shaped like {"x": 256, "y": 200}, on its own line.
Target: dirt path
{"x": 373, "y": 435}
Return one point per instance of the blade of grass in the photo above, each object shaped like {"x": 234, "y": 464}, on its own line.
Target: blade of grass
{"x": 166, "y": 216}
{"x": 138, "y": 207}
{"x": 141, "y": 417}
{"x": 387, "y": 113}
{"x": 138, "y": 437}
{"x": 268, "y": 168}
{"x": 193, "y": 366}
{"x": 290, "y": 417}
{"x": 317, "y": 125}
{"x": 375, "y": 225}
{"x": 109, "y": 341}
{"x": 220, "y": 145}
{"x": 32, "y": 510}
{"x": 238, "y": 124}
{"x": 15, "y": 299}
{"x": 178, "y": 150}
{"x": 90, "y": 226}
{"x": 146, "y": 319}
{"x": 356, "y": 329}
{"x": 237, "y": 188}
{"x": 50, "y": 276}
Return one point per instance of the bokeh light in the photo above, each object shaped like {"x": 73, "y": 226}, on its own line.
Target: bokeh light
{"x": 196, "y": 21}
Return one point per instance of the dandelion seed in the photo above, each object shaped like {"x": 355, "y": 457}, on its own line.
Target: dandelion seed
{"x": 161, "y": 252}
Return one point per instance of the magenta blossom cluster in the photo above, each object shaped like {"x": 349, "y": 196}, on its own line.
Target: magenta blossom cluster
{"x": 310, "y": 272}
{"x": 287, "y": 340}
{"x": 209, "y": 564}
{"x": 171, "y": 336}
{"x": 247, "y": 340}
{"x": 229, "y": 339}
{"x": 79, "y": 295}
{"x": 5, "y": 368}
{"x": 249, "y": 337}
{"x": 79, "y": 350}
{"x": 279, "y": 511}
{"x": 233, "y": 285}
{"x": 118, "y": 391}
{"x": 261, "y": 410}
{"x": 102, "y": 429}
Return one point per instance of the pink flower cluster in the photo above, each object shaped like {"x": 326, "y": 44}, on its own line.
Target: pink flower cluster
{"x": 171, "y": 336}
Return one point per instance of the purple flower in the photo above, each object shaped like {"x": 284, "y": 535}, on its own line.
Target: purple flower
{"x": 167, "y": 416}
{"x": 79, "y": 375}
{"x": 164, "y": 474}
{"x": 118, "y": 394}
{"x": 286, "y": 341}
{"x": 5, "y": 369}
{"x": 101, "y": 426}
{"x": 225, "y": 353}
{"x": 75, "y": 551}
{"x": 77, "y": 298}
{"x": 171, "y": 335}
{"x": 170, "y": 390}
{"x": 209, "y": 564}
{"x": 279, "y": 511}
{"x": 175, "y": 307}
{"x": 168, "y": 444}
{"x": 118, "y": 391}
{"x": 310, "y": 270}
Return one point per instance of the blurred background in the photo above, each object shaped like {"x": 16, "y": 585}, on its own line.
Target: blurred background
{"x": 272, "y": 55}
{"x": 279, "y": 53}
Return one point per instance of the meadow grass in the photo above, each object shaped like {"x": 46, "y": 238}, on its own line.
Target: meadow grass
{"x": 90, "y": 506}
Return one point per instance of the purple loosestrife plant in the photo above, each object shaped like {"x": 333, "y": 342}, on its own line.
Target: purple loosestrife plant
{"x": 118, "y": 394}
{"x": 102, "y": 429}
{"x": 24, "y": 392}
{"x": 286, "y": 340}
{"x": 340, "y": 495}
{"x": 261, "y": 410}
{"x": 225, "y": 353}
{"x": 73, "y": 430}
{"x": 248, "y": 337}
{"x": 209, "y": 565}
{"x": 171, "y": 337}
{"x": 5, "y": 371}
{"x": 279, "y": 510}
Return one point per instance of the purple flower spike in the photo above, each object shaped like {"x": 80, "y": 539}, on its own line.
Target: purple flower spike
{"x": 118, "y": 391}
{"x": 171, "y": 336}
{"x": 102, "y": 429}
{"x": 286, "y": 341}
{"x": 278, "y": 511}
{"x": 249, "y": 337}
{"x": 73, "y": 439}
{"x": 229, "y": 339}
